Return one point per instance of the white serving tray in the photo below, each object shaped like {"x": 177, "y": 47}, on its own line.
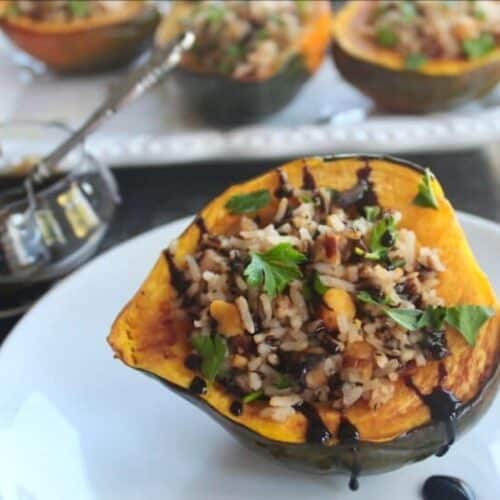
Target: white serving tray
{"x": 328, "y": 116}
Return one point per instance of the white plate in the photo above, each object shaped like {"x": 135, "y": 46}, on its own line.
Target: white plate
{"x": 162, "y": 129}
{"x": 75, "y": 424}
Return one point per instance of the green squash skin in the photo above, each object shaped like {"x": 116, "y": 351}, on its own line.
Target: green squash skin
{"x": 226, "y": 101}
{"x": 406, "y": 91}
{"x": 371, "y": 457}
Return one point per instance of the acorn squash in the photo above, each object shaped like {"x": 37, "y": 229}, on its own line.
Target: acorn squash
{"x": 420, "y": 419}
{"x": 380, "y": 72}
{"x": 225, "y": 100}
{"x": 84, "y": 44}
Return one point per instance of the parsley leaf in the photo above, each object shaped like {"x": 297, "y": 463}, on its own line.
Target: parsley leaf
{"x": 468, "y": 320}
{"x": 253, "y": 396}
{"x": 319, "y": 287}
{"x": 368, "y": 299}
{"x": 386, "y": 37}
{"x": 382, "y": 237}
{"x": 214, "y": 13}
{"x": 407, "y": 318}
{"x": 247, "y": 203}
{"x": 479, "y": 14}
{"x": 408, "y": 11}
{"x": 275, "y": 269}
{"x": 212, "y": 350}
{"x": 12, "y": 10}
{"x": 432, "y": 317}
{"x": 478, "y": 47}
{"x": 283, "y": 382}
{"x": 371, "y": 213}
{"x": 426, "y": 196}
{"x": 79, "y": 8}
{"x": 415, "y": 61}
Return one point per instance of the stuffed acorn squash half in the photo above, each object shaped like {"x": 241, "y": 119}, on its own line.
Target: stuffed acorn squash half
{"x": 250, "y": 58}
{"x": 418, "y": 56}
{"x": 73, "y": 36}
{"x": 329, "y": 313}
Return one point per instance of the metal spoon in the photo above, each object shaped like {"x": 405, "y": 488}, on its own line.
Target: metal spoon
{"x": 162, "y": 60}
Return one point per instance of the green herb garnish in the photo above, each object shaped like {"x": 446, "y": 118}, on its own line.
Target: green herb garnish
{"x": 319, "y": 287}
{"x": 386, "y": 37}
{"x": 79, "y": 8}
{"x": 408, "y": 11}
{"x": 274, "y": 269}
{"x": 261, "y": 34}
{"x": 415, "y": 61}
{"x": 466, "y": 319}
{"x": 371, "y": 213}
{"x": 212, "y": 350}
{"x": 382, "y": 238}
{"x": 407, "y": 318}
{"x": 283, "y": 382}
{"x": 478, "y": 47}
{"x": 12, "y": 10}
{"x": 426, "y": 196}
{"x": 253, "y": 396}
{"x": 248, "y": 203}
{"x": 301, "y": 5}
{"x": 479, "y": 14}
{"x": 214, "y": 13}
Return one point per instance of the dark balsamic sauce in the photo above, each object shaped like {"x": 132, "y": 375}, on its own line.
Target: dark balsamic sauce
{"x": 236, "y": 408}
{"x": 317, "y": 432}
{"x": 369, "y": 196}
{"x": 176, "y": 275}
{"x": 284, "y": 190}
{"x": 447, "y": 488}
{"x": 193, "y": 362}
{"x": 308, "y": 181}
{"x": 198, "y": 386}
{"x": 361, "y": 194}
{"x": 348, "y": 434}
{"x": 200, "y": 224}
{"x": 443, "y": 405}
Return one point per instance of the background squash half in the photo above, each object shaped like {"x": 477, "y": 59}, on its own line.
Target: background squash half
{"x": 86, "y": 44}
{"x": 380, "y": 72}
{"x": 148, "y": 336}
{"x": 225, "y": 100}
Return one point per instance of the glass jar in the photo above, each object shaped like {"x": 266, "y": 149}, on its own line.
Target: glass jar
{"x": 44, "y": 238}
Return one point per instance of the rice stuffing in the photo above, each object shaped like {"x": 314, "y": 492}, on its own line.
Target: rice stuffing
{"x": 309, "y": 304}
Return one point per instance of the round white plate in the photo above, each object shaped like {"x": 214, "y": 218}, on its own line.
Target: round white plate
{"x": 75, "y": 424}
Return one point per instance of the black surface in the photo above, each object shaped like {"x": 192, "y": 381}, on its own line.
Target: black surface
{"x": 156, "y": 195}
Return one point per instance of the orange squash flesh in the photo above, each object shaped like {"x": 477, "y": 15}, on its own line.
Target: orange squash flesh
{"x": 380, "y": 72}
{"x": 85, "y": 44}
{"x": 146, "y": 335}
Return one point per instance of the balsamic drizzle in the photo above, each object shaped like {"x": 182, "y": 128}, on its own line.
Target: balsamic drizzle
{"x": 198, "y": 386}
{"x": 284, "y": 190}
{"x": 348, "y": 435}
{"x": 308, "y": 181}
{"x": 200, "y": 223}
{"x": 236, "y": 408}
{"x": 446, "y": 487}
{"x": 362, "y": 193}
{"x": 443, "y": 405}
{"x": 317, "y": 432}
{"x": 176, "y": 275}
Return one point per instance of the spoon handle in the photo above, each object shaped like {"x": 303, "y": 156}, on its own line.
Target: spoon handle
{"x": 161, "y": 61}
